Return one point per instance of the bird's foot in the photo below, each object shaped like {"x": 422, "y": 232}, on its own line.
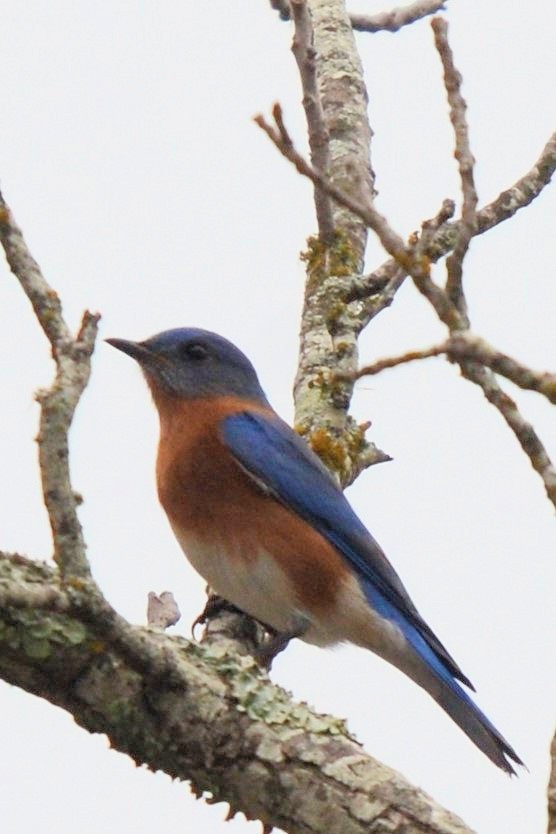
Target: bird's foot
{"x": 214, "y": 606}
{"x": 278, "y": 641}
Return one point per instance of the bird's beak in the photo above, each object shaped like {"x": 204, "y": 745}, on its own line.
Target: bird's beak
{"x": 134, "y": 349}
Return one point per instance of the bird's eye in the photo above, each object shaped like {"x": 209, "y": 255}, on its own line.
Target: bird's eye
{"x": 194, "y": 350}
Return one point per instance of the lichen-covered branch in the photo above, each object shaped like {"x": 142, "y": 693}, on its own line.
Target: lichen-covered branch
{"x": 215, "y": 721}
{"x": 365, "y": 211}
{"x": 415, "y": 258}
{"x": 335, "y": 100}
{"x": 72, "y": 356}
{"x": 328, "y": 337}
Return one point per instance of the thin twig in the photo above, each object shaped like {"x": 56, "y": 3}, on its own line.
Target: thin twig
{"x": 72, "y": 357}
{"x": 465, "y": 346}
{"x": 523, "y": 430}
{"x": 282, "y": 7}
{"x": 466, "y": 164}
{"x": 552, "y": 789}
{"x": 384, "y": 22}
{"x": 304, "y": 52}
{"x": 279, "y": 135}
{"x": 393, "y": 21}
{"x": 519, "y": 195}
{"x": 393, "y": 361}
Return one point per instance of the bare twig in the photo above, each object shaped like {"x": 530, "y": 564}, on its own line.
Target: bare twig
{"x": 393, "y": 361}
{"x": 393, "y": 21}
{"x": 521, "y": 193}
{"x": 415, "y": 262}
{"x": 304, "y": 52}
{"x": 552, "y": 790}
{"x": 473, "y": 354}
{"x": 282, "y": 7}
{"x": 508, "y": 202}
{"x": 465, "y": 346}
{"x": 523, "y": 430}
{"x": 279, "y": 135}
{"x": 466, "y": 163}
{"x": 384, "y": 22}
{"x": 58, "y": 403}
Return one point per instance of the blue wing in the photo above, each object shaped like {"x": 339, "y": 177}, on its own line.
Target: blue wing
{"x": 282, "y": 462}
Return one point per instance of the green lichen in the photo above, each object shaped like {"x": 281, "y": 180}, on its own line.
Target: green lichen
{"x": 356, "y": 440}
{"x": 37, "y": 635}
{"x": 330, "y": 387}
{"x": 324, "y": 260}
{"x": 261, "y": 700}
{"x": 333, "y": 316}
{"x": 35, "y": 648}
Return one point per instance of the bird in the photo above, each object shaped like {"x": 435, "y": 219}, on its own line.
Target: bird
{"x": 263, "y": 521}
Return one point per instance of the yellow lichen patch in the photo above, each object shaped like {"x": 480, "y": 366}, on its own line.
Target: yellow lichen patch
{"x": 330, "y": 450}
{"x": 343, "y": 348}
{"x": 324, "y": 260}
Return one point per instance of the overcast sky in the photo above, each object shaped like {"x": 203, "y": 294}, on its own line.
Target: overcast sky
{"x": 128, "y": 155}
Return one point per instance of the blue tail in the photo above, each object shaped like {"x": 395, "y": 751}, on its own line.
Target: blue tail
{"x": 428, "y": 669}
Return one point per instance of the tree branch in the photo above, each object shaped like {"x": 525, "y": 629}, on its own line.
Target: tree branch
{"x": 336, "y": 109}
{"x": 384, "y": 22}
{"x": 305, "y": 56}
{"x": 414, "y": 258}
{"x": 552, "y": 789}
{"x": 466, "y": 164}
{"x": 465, "y": 346}
{"x": 72, "y": 357}
{"x": 216, "y": 721}
{"x": 278, "y": 134}
{"x": 396, "y": 19}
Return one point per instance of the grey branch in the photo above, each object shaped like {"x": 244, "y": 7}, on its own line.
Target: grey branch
{"x": 279, "y": 135}
{"x": 552, "y": 789}
{"x": 391, "y": 21}
{"x": 72, "y": 356}
{"x": 344, "y": 100}
{"x": 200, "y": 714}
{"x": 466, "y": 165}
{"x": 462, "y": 346}
{"x": 305, "y": 56}
{"x": 508, "y": 202}
{"x": 282, "y": 7}
{"x": 415, "y": 257}
{"x": 335, "y": 100}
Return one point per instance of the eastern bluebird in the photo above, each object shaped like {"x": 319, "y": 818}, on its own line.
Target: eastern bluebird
{"x": 265, "y": 524}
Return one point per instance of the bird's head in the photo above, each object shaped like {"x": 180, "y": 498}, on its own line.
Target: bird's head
{"x": 189, "y": 363}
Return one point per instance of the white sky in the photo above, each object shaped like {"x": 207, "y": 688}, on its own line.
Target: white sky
{"x": 128, "y": 155}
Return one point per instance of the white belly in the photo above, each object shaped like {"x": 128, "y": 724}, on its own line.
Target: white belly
{"x": 260, "y": 588}
{"x": 257, "y": 586}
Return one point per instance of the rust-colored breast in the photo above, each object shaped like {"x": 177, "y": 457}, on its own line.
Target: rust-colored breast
{"x": 207, "y": 496}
